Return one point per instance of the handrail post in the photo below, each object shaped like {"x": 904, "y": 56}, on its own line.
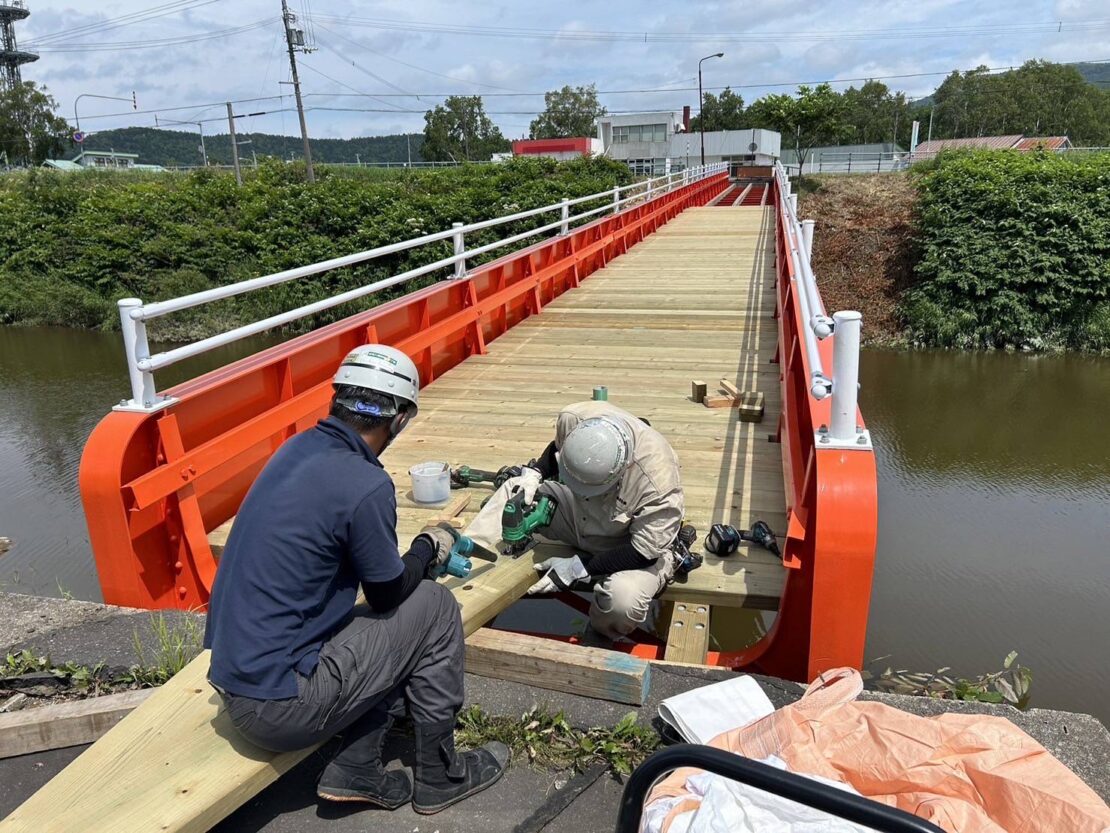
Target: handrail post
{"x": 564, "y": 229}
{"x": 845, "y": 388}
{"x": 650, "y": 189}
{"x": 807, "y": 238}
{"x": 144, "y": 396}
{"x": 616, "y": 199}
{"x": 460, "y": 248}
{"x": 794, "y": 203}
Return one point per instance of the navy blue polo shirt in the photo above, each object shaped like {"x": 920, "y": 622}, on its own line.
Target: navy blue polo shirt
{"x": 320, "y": 517}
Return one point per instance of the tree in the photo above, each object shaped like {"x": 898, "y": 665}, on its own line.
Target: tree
{"x": 568, "y": 113}
{"x": 30, "y": 132}
{"x": 459, "y": 130}
{"x": 723, "y": 112}
{"x": 815, "y": 117}
{"x": 874, "y": 114}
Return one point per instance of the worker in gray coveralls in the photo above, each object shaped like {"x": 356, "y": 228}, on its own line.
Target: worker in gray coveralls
{"x": 294, "y": 662}
{"x": 620, "y": 503}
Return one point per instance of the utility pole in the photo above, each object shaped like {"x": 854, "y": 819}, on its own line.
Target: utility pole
{"x": 294, "y": 44}
{"x": 234, "y": 144}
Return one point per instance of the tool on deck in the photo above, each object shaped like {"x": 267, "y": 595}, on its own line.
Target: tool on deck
{"x": 464, "y": 476}
{"x": 457, "y": 564}
{"x": 688, "y": 560}
{"x": 724, "y": 539}
{"x": 519, "y": 521}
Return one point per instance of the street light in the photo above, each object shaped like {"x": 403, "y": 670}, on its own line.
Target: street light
{"x": 701, "y": 103}
{"x": 133, "y": 101}
{"x": 200, "y": 127}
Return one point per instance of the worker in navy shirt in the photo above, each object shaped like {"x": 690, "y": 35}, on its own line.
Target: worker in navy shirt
{"x": 293, "y": 660}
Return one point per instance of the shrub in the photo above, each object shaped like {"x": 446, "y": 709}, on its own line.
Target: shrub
{"x": 1015, "y": 252}
{"x": 73, "y": 244}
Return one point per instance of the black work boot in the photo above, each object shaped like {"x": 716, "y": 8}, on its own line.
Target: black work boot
{"x": 443, "y": 776}
{"x": 356, "y": 774}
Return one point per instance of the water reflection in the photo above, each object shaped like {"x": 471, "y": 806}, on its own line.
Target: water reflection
{"x": 55, "y": 385}
{"x": 994, "y": 482}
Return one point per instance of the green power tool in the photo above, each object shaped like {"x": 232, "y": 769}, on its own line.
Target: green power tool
{"x": 464, "y": 476}
{"x": 519, "y": 521}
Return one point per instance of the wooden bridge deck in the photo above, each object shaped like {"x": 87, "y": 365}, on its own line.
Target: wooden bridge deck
{"x": 695, "y": 300}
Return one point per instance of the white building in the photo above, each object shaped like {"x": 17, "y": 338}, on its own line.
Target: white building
{"x": 660, "y": 142}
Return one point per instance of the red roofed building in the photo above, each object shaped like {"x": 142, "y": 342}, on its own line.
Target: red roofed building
{"x": 1012, "y": 142}
{"x": 557, "y": 148}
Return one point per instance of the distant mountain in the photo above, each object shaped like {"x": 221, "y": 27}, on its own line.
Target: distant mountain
{"x": 176, "y": 147}
{"x": 1094, "y": 73}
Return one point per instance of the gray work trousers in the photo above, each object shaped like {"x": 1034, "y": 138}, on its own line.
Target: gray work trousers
{"x": 622, "y": 601}
{"x": 365, "y": 673}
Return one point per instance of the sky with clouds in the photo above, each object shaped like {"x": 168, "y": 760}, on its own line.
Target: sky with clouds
{"x": 408, "y": 53}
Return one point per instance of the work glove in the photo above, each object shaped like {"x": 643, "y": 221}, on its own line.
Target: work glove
{"x": 529, "y": 481}
{"x": 442, "y": 537}
{"x": 558, "y": 574}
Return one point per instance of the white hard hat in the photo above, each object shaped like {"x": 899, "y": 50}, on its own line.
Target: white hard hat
{"x": 384, "y": 370}
{"x": 594, "y": 456}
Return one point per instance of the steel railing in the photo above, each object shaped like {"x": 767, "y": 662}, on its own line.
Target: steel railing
{"x": 134, "y": 313}
{"x": 843, "y": 385}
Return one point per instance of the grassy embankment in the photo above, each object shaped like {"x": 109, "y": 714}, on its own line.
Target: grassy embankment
{"x": 977, "y": 250}
{"x": 73, "y": 244}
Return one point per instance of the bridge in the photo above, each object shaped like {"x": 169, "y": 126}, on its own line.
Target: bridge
{"x": 645, "y": 290}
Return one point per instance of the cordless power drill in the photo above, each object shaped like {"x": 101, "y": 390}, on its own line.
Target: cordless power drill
{"x": 519, "y": 520}
{"x": 724, "y": 539}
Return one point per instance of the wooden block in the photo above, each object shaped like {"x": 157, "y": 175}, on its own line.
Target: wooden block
{"x": 688, "y": 637}
{"x": 730, "y": 388}
{"x": 719, "y": 401}
{"x": 65, "y": 724}
{"x": 452, "y": 509}
{"x": 698, "y": 391}
{"x": 558, "y": 666}
{"x": 751, "y": 407}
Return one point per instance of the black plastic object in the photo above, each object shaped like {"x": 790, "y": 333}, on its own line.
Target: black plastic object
{"x": 761, "y": 534}
{"x": 789, "y": 785}
{"x": 722, "y": 539}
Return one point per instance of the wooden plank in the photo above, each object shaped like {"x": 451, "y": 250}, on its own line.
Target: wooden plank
{"x": 65, "y": 724}
{"x": 719, "y": 402}
{"x": 452, "y": 510}
{"x": 730, "y": 388}
{"x": 558, "y": 666}
{"x": 177, "y": 764}
{"x": 688, "y": 636}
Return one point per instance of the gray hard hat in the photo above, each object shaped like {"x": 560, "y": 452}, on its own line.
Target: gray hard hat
{"x": 384, "y": 370}
{"x": 594, "y": 456}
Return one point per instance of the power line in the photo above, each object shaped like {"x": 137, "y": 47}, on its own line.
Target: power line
{"x": 533, "y": 112}
{"x": 362, "y": 69}
{"x": 359, "y": 93}
{"x": 140, "y": 16}
{"x": 760, "y": 85}
{"x": 901, "y": 33}
{"x": 156, "y": 43}
{"x": 415, "y": 66}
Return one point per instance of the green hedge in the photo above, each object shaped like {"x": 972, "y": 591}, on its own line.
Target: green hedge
{"x": 72, "y": 244}
{"x": 1015, "y": 252}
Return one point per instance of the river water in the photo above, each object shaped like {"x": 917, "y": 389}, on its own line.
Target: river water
{"x": 994, "y": 499}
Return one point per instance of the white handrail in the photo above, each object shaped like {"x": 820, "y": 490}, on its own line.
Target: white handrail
{"x": 843, "y": 431}
{"x": 134, "y": 313}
